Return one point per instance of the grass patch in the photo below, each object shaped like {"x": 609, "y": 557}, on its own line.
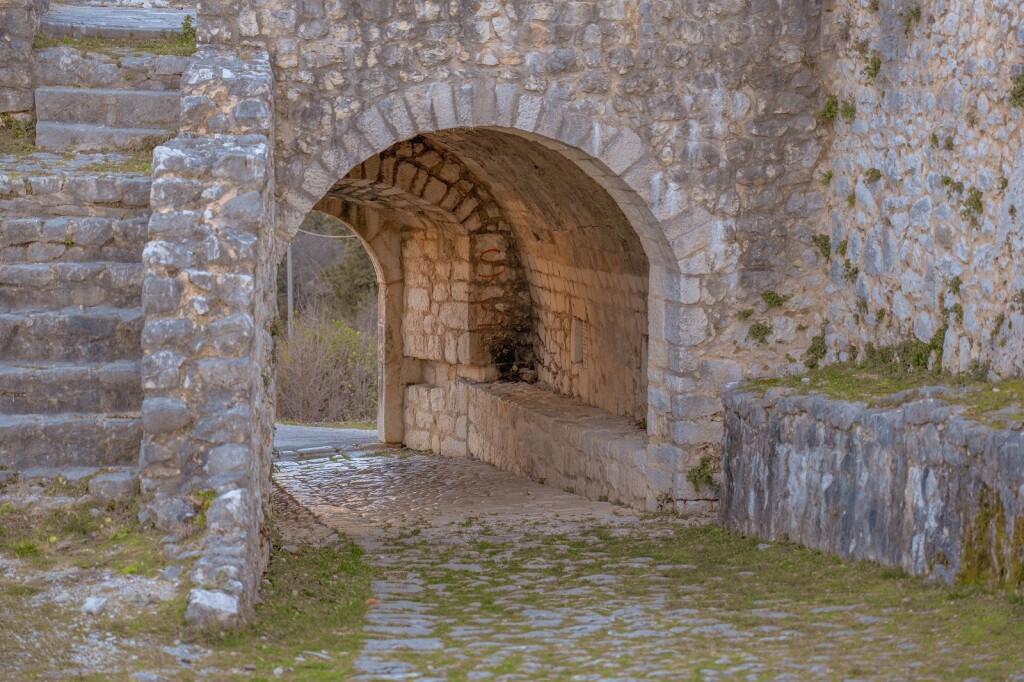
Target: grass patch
{"x": 364, "y": 425}
{"x": 178, "y": 43}
{"x": 84, "y": 535}
{"x": 17, "y": 135}
{"x": 314, "y": 600}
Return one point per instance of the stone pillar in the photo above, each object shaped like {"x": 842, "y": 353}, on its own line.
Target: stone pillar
{"x": 19, "y": 21}
{"x": 206, "y": 366}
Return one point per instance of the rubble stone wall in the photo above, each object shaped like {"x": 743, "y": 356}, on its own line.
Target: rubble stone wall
{"x": 206, "y": 369}
{"x": 926, "y": 184}
{"x": 913, "y": 485}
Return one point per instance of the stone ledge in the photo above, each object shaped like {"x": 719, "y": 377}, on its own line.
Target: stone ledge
{"x": 911, "y": 485}
{"x": 534, "y": 432}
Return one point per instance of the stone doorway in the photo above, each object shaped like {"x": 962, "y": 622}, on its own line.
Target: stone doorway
{"x": 513, "y": 295}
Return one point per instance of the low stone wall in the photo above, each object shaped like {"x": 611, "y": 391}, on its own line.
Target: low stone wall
{"x": 912, "y": 485}
{"x": 533, "y": 432}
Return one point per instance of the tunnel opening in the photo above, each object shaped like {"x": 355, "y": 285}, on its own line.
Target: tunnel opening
{"x": 512, "y": 306}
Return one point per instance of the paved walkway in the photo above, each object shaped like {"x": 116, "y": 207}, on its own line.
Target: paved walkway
{"x": 81, "y": 21}
{"x": 486, "y": 575}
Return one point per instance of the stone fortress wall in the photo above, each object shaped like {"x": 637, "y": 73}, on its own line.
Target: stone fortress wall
{"x": 927, "y": 180}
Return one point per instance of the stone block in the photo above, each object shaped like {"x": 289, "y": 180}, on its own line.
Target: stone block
{"x": 113, "y": 486}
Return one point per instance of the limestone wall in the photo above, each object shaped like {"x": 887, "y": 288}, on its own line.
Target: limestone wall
{"x": 207, "y": 415}
{"x": 912, "y": 485}
{"x": 562, "y": 442}
{"x": 697, "y": 119}
{"x": 927, "y": 178}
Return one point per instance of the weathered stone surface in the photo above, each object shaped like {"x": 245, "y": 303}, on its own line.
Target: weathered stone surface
{"x": 113, "y": 486}
{"x": 888, "y": 484}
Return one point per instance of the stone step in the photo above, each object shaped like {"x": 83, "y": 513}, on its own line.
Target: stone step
{"x": 72, "y": 239}
{"x": 113, "y": 108}
{"x": 53, "y": 387}
{"x": 41, "y": 286}
{"x": 70, "y": 137}
{"x": 111, "y": 22}
{"x": 69, "y": 439}
{"x": 129, "y": 69}
{"x": 74, "y": 334}
{"x": 112, "y": 185}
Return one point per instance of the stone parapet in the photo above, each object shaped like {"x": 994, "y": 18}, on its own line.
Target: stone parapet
{"x": 914, "y": 485}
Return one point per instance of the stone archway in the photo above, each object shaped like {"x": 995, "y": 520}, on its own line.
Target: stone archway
{"x": 502, "y": 260}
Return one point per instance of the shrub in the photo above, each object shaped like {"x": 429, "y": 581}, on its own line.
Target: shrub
{"x": 773, "y": 299}
{"x": 327, "y": 371}
{"x": 759, "y": 331}
{"x": 824, "y": 244}
{"x": 873, "y": 175}
{"x": 828, "y": 113}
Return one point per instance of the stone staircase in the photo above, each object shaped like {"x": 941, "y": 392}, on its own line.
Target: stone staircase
{"x": 73, "y": 226}
{"x": 85, "y": 102}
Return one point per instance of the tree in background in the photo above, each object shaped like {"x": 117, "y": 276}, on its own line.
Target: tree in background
{"x": 327, "y": 370}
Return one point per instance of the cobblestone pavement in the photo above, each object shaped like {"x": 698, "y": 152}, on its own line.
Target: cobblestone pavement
{"x": 485, "y": 575}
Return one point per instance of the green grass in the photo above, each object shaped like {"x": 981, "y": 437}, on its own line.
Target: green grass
{"x": 17, "y": 136}
{"x": 365, "y": 425}
{"x": 179, "y": 43}
{"x": 313, "y": 600}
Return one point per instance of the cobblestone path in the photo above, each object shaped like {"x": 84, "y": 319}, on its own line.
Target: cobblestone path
{"x": 485, "y": 575}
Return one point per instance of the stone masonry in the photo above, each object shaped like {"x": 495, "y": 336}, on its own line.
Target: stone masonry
{"x": 613, "y": 208}
{"x": 911, "y": 484}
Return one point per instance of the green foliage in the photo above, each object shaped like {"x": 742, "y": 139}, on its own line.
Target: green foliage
{"x": 773, "y": 299}
{"x": 874, "y": 65}
{"x": 972, "y": 206}
{"x": 873, "y": 175}
{"x": 1017, "y": 90}
{"x": 850, "y": 271}
{"x": 808, "y": 61}
{"x": 745, "y": 314}
{"x": 815, "y": 352}
{"x": 935, "y": 140}
{"x": 827, "y": 176}
{"x": 841, "y": 247}
{"x": 911, "y": 16}
{"x": 179, "y": 43}
{"x": 17, "y": 134}
{"x": 828, "y": 113}
{"x": 824, "y": 244}
{"x": 848, "y": 111}
{"x": 702, "y": 475}
{"x": 957, "y": 310}
{"x": 851, "y": 199}
{"x": 955, "y": 284}
{"x": 952, "y": 186}
{"x": 352, "y": 281}
{"x": 759, "y": 331}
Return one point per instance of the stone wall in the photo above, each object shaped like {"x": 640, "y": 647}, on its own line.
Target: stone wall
{"x": 564, "y": 443}
{"x": 697, "y": 120}
{"x": 207, "y": 415}
{"x": 19, "y": 20}
{"x": 927, "y": 179}
{"x": 911, "y": 485}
